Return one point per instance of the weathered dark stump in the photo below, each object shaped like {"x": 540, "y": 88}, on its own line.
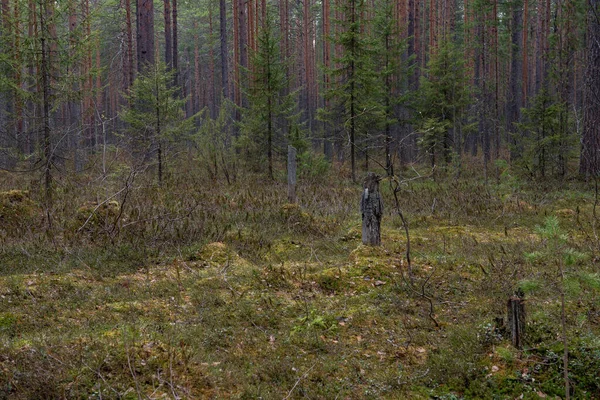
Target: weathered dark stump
{"x": 516, "y": 319}
{"x": 291, "y": 174}
{"x": 371, "y": 208}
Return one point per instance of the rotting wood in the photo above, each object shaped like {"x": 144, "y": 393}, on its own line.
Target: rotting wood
{"x": 516, "y": 319}
{"x": 371, "y": 208}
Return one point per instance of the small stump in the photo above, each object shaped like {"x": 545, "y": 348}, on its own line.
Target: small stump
{"x": 371, "y": 208}
{"x": 516, "y": 319}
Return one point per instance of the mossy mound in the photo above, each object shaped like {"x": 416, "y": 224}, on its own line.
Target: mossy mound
{"x": 299, "y": 220}
{"x": 330, "y": 280}
{"x": 363, "y": 252}
{"x": 215, "y": 253}
{"x": 17, "y": 211}
{"x": 92, "y": 218}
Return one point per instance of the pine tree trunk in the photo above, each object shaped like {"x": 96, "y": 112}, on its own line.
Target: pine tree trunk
{"x": 145, "y": 34}
{"x": 5, "y": 96}
{"x": 175, "y": 47}
{"x": 45, "y": 77}
{"x": 168, "y": 35}
{"x": 525, "y": 48}
{"x": 74, "y": 106}
{"x": 223, "y": 37}
{"x": 351, "y": 77}
{"x": 196, "y": 88}
{"x": 211, "y": 90}
{"x": 128, "y": 56}
{"x": 327, "y": 145}
{"x": 514, "y": 101}
{"x": 589, "y": 164}
{"x": 243, "y": 47}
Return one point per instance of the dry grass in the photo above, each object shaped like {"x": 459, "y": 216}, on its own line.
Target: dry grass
{"x": 205, "y": 290}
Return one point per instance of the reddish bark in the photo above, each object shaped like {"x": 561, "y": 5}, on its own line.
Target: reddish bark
{"x": 145, "y": 33}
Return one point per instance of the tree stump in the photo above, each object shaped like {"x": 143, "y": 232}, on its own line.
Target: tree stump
{"x": 291, "y": 174}
{"x": 516, "y": 319}
{"x": 371, "y": 208}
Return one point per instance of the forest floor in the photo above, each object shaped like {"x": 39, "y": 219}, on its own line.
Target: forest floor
{"x": 278, "y": 301}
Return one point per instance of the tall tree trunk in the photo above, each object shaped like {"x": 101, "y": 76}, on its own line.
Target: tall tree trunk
{"x": 45, "y": 78}
{"x": 305, "y": 59}
{"x": 352, "y": 78}
{"x": 525, "y": 48}
{"x": 196, "y": 88}
{"x": 224, "y": 52}
{"x": 18, "y": 101}
{"x": 211, "y": 90}
{"x": 99, "y": 103}
{"x": 175, "y": 45}
{"x": 327, "y": 145}
{"x": 129, "y": 70}
{"x": 514, "y": 101}
{"x": 33, "y": 85}
{"x": 589, "y": 164}
{"x": 496, "y": 78}
{"x": 145, "y": 34}
{"x": 168, "y": 35}
{"x": 6, "y": 97}
{"x": 74, "y": 105}
{"x": 243, "y": 46}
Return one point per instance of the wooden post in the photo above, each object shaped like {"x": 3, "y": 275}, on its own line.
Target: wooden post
{"x": 291, "y": 174}
{"x": 371, "y": 208}
{"x": 516, "y": 319}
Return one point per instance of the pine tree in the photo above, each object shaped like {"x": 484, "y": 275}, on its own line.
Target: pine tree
{"x": 590, "y": 152}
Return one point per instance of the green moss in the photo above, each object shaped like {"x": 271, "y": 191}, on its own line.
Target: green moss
{"x": 93, "y": 220}
{"x": 17, "y": 212}
{"x": 364, "y": 253}
{"x": 301, "y": 221}
{"x": 330, "y": 280}
{"x": 8, "y": 323}
{"x": 215, "y": 253}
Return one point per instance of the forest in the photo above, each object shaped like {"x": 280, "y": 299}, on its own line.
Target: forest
{"x": 323, "y": 199}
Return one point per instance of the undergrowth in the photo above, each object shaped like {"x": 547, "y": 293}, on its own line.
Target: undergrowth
{"x": 204, "y": 289}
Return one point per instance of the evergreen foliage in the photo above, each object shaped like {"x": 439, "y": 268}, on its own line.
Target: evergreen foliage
{"x": 271, "y": 117}
{"x": 355, "y": 84}
{"x": 392, "y": 71}
{"x": 545, "y": 142}
{"x": 155, "y": 116}
{"x": 443, "y": 99}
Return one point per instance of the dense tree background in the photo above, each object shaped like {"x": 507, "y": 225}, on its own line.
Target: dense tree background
{"x": 396, "y": 82}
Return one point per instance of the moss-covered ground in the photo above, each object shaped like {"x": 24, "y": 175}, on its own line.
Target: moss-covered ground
{"x": 225, "y": 291}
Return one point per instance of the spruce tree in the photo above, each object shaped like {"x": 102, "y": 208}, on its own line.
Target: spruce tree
{"x": 444, "y": 97}
{"x": 271, "y": 112}
{"x": 155, "y": 115}
{"x": 388, "y": 48}
{"x": 354, "y": 85}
